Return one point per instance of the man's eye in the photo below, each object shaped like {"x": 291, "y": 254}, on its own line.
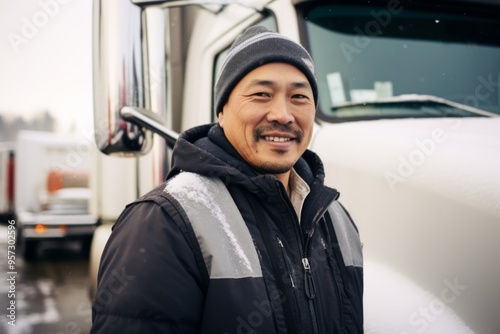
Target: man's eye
{"x": 262, "y": 94}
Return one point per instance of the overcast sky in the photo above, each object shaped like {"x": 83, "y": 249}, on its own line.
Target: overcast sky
{"x": 46, "y": 60}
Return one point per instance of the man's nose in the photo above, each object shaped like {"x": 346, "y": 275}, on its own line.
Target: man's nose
{"x": 280, "y": 111}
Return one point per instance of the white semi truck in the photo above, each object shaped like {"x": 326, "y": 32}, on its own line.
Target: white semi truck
{"x": 51, "y": 190}
{"x": 407, "y": 127}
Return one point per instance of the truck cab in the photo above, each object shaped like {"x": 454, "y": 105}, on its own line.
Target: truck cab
{"x": 407, "y": 127}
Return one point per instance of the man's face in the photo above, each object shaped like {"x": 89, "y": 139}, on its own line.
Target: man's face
{"x": 269, "y": 117}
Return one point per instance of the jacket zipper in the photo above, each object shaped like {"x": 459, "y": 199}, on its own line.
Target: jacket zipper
{"x": 310, "y": 288}
{"x": 308, "y": 281}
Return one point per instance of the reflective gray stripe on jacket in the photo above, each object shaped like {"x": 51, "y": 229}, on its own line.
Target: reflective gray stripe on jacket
{"x": 222, "y": 234}
{"x": 350, "y": 245}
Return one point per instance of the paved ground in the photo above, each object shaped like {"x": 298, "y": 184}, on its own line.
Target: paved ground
{"x": 50, "y": 293}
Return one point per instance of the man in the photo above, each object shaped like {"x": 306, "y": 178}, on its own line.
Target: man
{"x": 243, "y": 237}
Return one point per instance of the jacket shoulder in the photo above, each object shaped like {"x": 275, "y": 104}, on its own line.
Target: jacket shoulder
{"x": 137, "y": 291}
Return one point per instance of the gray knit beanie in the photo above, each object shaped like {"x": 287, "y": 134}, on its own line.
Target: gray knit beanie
{"x": 258, "y": 46}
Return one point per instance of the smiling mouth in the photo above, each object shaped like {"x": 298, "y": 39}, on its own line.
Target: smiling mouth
{"x": 277, "y": 139}
{"x": 277, "y": 133}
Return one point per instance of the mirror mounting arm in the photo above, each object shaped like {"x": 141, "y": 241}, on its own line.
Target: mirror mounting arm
{"x": 150, "y": 121}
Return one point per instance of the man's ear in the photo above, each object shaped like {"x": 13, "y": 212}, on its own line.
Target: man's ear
{"x": 221, "y": 119}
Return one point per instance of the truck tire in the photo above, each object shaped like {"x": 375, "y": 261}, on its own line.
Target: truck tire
{"x": 86, "y": 244}
{"x": 30, "y": 248}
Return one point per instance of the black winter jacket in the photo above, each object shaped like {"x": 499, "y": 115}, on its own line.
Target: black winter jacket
{"x": 164, "y": 270}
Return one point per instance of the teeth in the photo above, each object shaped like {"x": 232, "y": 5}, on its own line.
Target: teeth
{"x": 277, "y": 139}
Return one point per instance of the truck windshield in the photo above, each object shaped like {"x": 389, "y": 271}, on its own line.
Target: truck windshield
{"x": 366, "y": 55}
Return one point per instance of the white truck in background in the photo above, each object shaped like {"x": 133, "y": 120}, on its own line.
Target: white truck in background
{"x": 407, "y": 127}
{"x": 51, "y": 190}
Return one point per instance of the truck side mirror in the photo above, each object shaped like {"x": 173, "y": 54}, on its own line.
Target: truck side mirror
{"x": 131, "y": 44}
{"x": 118, "y": 75}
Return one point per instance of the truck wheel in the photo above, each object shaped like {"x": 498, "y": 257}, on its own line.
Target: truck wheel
{"x": 30, "y": 249}
{"x": 86, "y": 244}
